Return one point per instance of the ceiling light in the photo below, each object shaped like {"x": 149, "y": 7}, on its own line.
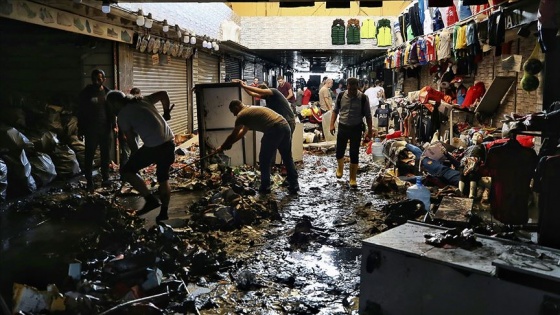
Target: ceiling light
{"x": 106, "y": 7}
{"x": 149, "y": 21}
{"x": 186, "y": 38}
{"x": 165, "y": 26}
{"x": 178, "y": 30}
{"x": 193, "y": 39}
{"x": 140, "y": 19}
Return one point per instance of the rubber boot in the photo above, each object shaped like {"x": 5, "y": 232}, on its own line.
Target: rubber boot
{"x": 353, "y": 173}
{"x": 340, "y": 168}
{"x": 462, "y": 188}
{"x": 472, "y": 189}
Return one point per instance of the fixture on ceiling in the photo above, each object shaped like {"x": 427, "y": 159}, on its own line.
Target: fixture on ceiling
{"x": 178, "y": 31}
{"x": 166, "y": 27}
{"x": 193, "y": 39}
{"x": 106, "y": 7}
{"x": 149, "y": 21}
{"x": 140, "y": 20}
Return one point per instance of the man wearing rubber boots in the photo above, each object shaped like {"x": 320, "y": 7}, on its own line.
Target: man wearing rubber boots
{"x": 350, "y": 111}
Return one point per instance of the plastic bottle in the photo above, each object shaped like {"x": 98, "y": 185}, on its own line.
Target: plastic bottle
{"x": 419, "y": 192}
{"x": 377, "y": 150}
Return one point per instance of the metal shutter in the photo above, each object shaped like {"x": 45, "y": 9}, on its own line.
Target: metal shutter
{"x": 205, "y": 70}
{"x": 259, "y": 72}
{"x": 249, "y": 71}
{"x": 171, "y": 77}
{"x": 233, "y": 68}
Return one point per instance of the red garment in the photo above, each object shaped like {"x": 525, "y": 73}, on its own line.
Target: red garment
{"x": 256, "y": 97}
{"x": 284, "y": 89}
{"x": 428, "y": 93}
{"x": 525, "y": 141}
{"x": 452, "y": 16}
{"x": 474, "y": 93}
{"x": 396, "y": 134}
{"x": 430, "y": 48}
{"x": 306, "y": 97}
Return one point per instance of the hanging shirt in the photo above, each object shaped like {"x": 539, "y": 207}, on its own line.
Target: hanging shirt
{"x": 452, "y": 16}
{"x": 428, "y": 23}
{"x": 461, "y": 40}
{"x": 430, "y": 48}
{"x": 445, "y": 43}
{"x": 382, "y": 115}
{"x": 438, "y": 20}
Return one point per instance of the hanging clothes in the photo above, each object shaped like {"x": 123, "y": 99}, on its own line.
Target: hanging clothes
{"x": 353, "y": 32}
{"x": 398, "y": 35}
{"x": 368, "y": 29}
{"x": 428, "y": 23}
{"x": 451, "y": 16}
{"x": 445, "y": 44}
{"x": 384, "y": 36}
{"x": 440, "y": 3}
{"x": 438, "y": 20}
{"x": 464, "y": 10}
{"x": 496, "y": 31}
{"x": 511, "y": 167}
{"x": 338, "y": 31}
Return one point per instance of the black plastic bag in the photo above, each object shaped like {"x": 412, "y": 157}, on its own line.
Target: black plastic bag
{"x": 65, "y": 161}
{"x": 48, "y": 142}
{"x": 20, "y": 181}
{"x": 3, "y": 180}
{"x": 42, "y": 168}
{"x": 79, "y": 148}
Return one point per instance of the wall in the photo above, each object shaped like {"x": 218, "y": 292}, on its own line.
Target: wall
{"x": 389, "y": 8}
{"x": 516, "y": 100}
{"x": 291, "y": 32}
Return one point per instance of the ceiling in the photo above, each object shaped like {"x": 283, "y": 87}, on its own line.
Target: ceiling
{"x": 317, "y": 61}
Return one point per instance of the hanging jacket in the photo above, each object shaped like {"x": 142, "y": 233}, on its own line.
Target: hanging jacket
{"x": 438, "y": 21}
{"x": 338, "y": 32}
{"x": 353, "y": 32}
{"x": 368, "y": 29}
{"x": 384, "y": 34}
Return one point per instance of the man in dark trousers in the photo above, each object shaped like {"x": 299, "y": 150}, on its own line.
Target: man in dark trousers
{"x": 350, "y": 111}
{"x": 138, "y": 116}
{"x": 277, "y": 136}
{"x": 95, "y": 124}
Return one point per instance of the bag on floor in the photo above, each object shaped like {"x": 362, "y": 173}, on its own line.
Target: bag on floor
{"x": 42, "y": 168}
{"x": 20, "y": 181}
{"x": 3, "y": 180}
{"x": 65, "y": 161}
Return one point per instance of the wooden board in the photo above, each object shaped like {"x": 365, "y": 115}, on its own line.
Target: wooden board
{"x": 454, "y": 209}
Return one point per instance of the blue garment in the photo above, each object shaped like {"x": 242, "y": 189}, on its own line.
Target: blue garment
{"x": 438, "y": 21}
{"x": 464, "y": 11}
{"x": 435, "y": 168}
{"x": 422, "y": 7}
{"x": 277, "y": 138}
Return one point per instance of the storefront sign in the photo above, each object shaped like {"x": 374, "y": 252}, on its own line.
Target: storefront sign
{"x": 46, "y": 16}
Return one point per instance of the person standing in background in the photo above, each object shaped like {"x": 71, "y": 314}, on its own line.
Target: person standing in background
{"x": 286, "y": 89}
{"x": 95, "y": 124}
{"x": 256, "y": 84}
{"x": 306, "y": 96}
{"x": 325, "y": 97}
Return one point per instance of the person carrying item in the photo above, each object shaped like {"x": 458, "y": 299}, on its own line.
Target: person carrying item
{"x": 276, "y": 136}
{"x": 350, "y": 109}
{"x": 136, "y": 115}
{"x": 95, "y": 124}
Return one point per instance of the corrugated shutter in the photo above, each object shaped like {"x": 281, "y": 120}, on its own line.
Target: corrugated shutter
{"x": 171, "y": 77}
{"x": 233, "y": 68}
{"x": 205, "y": 70}
{"x": 259, "y": 72}
{"x": 249, "y": 71}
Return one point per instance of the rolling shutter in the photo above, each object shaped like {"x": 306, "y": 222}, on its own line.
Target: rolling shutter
{"x": 205, "y": 70}
{"x": 249, "y": 71}
{"x": 171, "y": 77}
{"x": 233, "y": 68}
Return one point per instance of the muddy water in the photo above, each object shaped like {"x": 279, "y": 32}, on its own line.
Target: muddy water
{"x": 305, "y": 261}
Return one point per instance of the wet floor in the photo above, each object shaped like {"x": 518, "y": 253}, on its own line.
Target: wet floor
{"x": 300, "y": 254}
{"x": 304, "y": 260}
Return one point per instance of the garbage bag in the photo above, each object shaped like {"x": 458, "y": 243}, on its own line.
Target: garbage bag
{"x": 42, "y": 168}
{"x": 79, "y": 148}
{"x": 15, "y": 141}
{"x": 20, "y": 181}
{"x": 54, "y": 119}
{"x": 3, "y": 180}
{"x": 48, "y": 142}
{"x": 65, "y": 161}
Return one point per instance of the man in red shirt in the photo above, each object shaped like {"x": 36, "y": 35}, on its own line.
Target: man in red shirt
{"x": 286, "y": 89}
{"x": 256, "y": 84}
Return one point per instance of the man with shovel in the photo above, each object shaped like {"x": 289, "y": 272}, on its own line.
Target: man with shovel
{"x": 138, "y": 116}
{"x": 277, "y": 136}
